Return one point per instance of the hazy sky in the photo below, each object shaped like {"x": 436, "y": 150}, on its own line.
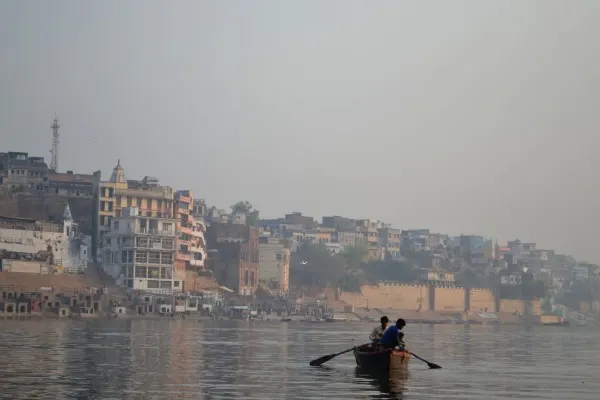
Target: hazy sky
{"x": 462, "y": 116}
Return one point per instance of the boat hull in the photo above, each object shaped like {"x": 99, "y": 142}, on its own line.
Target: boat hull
{"x": 381, "y": 363}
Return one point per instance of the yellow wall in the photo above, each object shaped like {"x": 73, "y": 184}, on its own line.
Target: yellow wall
{"x": 449, "y": 299}
{"x": 385, "y": 295}
{"x": 511, "y": 306}
{"x": 549, "y": 319}
{"x": 410, "y": 297}
{"x": 482, "y": 299}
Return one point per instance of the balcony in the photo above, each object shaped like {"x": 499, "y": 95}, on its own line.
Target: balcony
{"x": 197, "y": 263}
{"x": 198, "y": 245}
{"x": 150, "y": 231}
{"x": 186, "y": 230}
{"x": 184, "y": 199}
{"x": 182, "y": 256}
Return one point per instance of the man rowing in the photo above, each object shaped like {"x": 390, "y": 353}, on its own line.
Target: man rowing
{"x": 393, "y": 337}
{"x": 378, "y": 331}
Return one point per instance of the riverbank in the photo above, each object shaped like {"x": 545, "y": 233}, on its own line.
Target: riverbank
{"x": 293, "y": 319}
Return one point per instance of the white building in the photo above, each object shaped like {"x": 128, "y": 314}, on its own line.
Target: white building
{"x": 274, "y": 265}
{"x": 334, "y": 248}
{"x": 139, "y": 252}
{"x": 41, "y": 246}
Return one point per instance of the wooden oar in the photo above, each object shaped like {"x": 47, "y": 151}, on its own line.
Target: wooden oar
{"x": 430, "y": 364}
{"x": 324, "y": 359}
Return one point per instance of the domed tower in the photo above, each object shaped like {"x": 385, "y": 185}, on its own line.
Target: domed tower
{"x": 118, "y": 176}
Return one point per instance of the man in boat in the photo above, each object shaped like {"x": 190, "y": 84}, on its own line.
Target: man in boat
{"x": 393, "y": 337}
{"x": 377, "y": 333}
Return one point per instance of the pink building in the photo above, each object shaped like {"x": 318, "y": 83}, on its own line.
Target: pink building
{"x": 190, "y": 244}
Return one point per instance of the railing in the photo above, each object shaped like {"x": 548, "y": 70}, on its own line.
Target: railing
{"x": 149, "y": 231}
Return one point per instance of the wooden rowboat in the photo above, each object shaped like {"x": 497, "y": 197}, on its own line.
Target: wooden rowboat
{"x": 380, "y": 362}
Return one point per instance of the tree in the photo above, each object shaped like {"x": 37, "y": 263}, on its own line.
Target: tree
{"x": 396, "y": 271}
{"x": 313, "y": 265}
{"x": 246, "y": 207}
{"x": 354, "y": 256}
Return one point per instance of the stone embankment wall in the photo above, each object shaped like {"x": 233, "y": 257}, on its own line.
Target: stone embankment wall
{"x": 389, "y": 295}
{"x": 435, "y": 298}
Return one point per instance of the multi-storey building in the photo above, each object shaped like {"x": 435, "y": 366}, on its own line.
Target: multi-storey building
{"x": 139, "y": 251}
{"x": 347, "y": 238}
{"x": 34, "y": 192}
{"x": 19, "y": 171}
{"x": 274, "y": 264}
{"x": 42, "y": 246}
{"x": 369, "y": 229}
{"x": 325, "y": 234}
{"x": 339, "y": 223}
{"x": 390, "y": 241}
{"x": 190, "y": 245}
{"x": 234, "y": 251}
{"x": 200, "y": 210}
{"x": 150, "y": 198}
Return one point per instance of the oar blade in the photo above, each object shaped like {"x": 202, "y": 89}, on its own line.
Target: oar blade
{"x": 321, "y": 360}
{"x": 434, "y": 366}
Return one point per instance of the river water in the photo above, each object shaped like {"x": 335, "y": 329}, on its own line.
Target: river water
{"x": 185, "y": 359}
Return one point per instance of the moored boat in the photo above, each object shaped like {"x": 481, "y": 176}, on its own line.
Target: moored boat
{"x": 382, "y": 363}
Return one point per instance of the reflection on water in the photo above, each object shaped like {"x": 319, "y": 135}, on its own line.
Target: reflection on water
{"x": 392, "y": 388}
{"x": 184, "y": 359}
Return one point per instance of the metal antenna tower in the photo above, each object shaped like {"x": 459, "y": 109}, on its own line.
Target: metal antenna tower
{"x": 54, "y": 150}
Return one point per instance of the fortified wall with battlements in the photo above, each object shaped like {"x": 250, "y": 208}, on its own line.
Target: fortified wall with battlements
{"x": 398, "y": 296}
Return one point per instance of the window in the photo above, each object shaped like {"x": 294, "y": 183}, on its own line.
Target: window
{"x": 278, "y": 256}
{"x": 166, "y": 273}
{"x": 140, "y": 272}
{"x": 166, "y": 226}
{"x": 116, "y": 225}
{"x": 166, "y": 258}
{"x": 153, "y": 272}
{"x": 167, "y": 284}
{"x": 142, "y": 241}
{"x": 138, "y": 202}
{"x": 127, "y": 256}
{"x": 153, "y": 284}
{"x": 167, "y": 244}
{"x": 176, "y": 283}
{"x": 153, "y": 257}
{"x": 141, "y": 257}
{"x": 155, "y": 243}
{"x": 252, "y": 278}
{"x": 246, "y": 277}
{"x": 127, "y": 241}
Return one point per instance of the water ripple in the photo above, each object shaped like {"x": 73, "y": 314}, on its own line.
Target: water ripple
{"x": 177, "y": 359}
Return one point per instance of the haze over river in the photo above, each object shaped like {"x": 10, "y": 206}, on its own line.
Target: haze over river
{"x": 187, "y": 359}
